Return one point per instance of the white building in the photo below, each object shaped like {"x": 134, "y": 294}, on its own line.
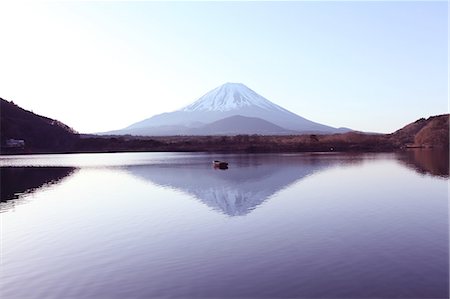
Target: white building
{"x": 15, "y": 143}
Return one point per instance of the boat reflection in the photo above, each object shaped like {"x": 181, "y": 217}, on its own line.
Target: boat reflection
{"x": 220, "y": 164}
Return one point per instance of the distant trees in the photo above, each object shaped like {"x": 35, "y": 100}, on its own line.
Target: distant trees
{"x": 313, "y": 138}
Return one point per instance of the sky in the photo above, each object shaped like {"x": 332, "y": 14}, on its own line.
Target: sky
{"x": 98, "y": 66}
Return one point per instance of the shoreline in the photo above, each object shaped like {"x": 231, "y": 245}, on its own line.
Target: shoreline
{"x": 190, "y": 144}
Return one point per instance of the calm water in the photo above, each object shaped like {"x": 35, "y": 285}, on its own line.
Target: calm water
{"x": 157, "y": 225}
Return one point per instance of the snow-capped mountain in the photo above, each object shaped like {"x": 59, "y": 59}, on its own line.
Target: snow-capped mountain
{"x": 227, "y": 100}
{"x": 229, "y": 97}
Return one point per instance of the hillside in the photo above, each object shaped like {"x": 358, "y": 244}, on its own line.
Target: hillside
{"x": 238, "y": 124}
{"x": 39, "y": 133}
{"x": 431, "y": 132}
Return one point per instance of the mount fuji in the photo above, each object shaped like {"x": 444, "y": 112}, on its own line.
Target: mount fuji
{"x": 229, "y": 109}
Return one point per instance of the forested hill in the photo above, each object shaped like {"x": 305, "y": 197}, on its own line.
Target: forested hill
{"x": 431, "y": 132}
{"x": 38, "y": 133}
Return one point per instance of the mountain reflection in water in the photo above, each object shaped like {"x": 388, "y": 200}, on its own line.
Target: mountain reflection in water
{"x": 248, "y": 182}
{"x": 15, "y": 181}
{"x": 427, "y": 161}
{"x": 345, "y": 226}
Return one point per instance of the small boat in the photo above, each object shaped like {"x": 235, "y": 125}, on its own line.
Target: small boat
{"x": 220, "y": 164}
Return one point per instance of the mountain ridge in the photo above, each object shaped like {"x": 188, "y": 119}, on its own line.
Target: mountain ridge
{"x": 39, "y": 134}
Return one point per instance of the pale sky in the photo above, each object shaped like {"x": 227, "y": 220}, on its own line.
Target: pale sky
{"x": 99, "y": 66}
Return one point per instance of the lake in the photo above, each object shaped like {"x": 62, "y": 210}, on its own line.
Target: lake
{"x": 162, "y": 225}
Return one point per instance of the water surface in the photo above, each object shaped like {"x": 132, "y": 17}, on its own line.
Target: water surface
{"x": 150, "y": 225}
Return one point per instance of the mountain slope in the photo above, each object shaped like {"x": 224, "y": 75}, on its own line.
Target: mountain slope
{"x": 238, "y": 124}
{"x": 228, "y": 100}
{"x": 39, "y": 133}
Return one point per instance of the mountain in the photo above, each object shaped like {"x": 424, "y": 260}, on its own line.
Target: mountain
{"x": 38, "y": 133}
{"x": 227, "y": 100}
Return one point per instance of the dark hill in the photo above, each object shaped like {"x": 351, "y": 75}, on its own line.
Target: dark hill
{"x": 238, "y": 124}
{"x": 39, "y": 133}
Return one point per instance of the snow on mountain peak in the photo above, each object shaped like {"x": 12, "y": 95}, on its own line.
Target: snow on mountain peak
{"x": 230, "y": 96}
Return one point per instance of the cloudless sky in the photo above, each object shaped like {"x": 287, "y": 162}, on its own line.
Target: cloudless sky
{"x": 99, "y": 66}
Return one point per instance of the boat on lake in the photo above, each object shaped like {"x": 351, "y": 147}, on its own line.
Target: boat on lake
{"x": 220, "y": 164}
